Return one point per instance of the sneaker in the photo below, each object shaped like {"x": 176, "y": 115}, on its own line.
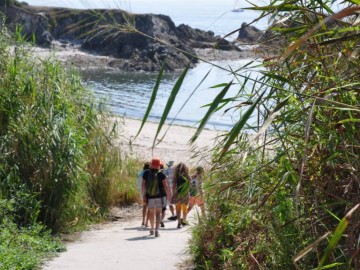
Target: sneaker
{"x": 179, "y": 226}
{"x": 162, "y": 225}
{"x": 172, "y": 218}
{"x": 184, "y": 222}
{"x": 151, "y": 232}
{"x": 157, "y": 234}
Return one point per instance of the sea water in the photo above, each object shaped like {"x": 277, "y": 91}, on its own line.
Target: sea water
{"x": 128, "y": 94}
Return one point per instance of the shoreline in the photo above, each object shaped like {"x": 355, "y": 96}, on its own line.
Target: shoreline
{"x": 174, "y": 145}
{"x": 72, "y": 57}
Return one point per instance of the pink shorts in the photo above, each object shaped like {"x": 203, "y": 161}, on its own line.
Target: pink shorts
{"x": 196, "y": 200}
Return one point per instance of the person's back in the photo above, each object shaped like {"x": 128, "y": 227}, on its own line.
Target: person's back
{"x": 196, "y": 190}
{"x": 153, "y": 188}
{"x": 154, "y": 185}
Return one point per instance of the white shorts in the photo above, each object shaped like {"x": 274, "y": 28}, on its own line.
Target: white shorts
{"x": 155, "y": 203}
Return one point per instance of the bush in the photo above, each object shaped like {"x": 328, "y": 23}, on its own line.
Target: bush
{"x": 24, "y": 247}
{"x": 292, "y": 193}
{"x": 59, "y": 168}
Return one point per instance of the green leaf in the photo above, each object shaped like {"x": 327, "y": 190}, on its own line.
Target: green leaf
{"x": 329, "y": 266}
{"x": 349, "y": 120}
{"x": 212, "y": 109}
{"x": 276, "y": 77}
{"x": 341, "y": 227}
{"x": 271, "y": 8}
{"x": 357, "y": 2}
{"x": 170, "y": 101}
{"x": 239, "y": 125}
{"x": 271, "y": 117}
{"x": 326, "y": 7}
{"x": 333, "y": 215}
{"x": 152, "y": 98}
{"x": 187, "y": 100}
{"x": 219, "y": 85}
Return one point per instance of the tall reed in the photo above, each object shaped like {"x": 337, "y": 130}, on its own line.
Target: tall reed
{"x": 56, "y": 143}
{"x": 289, "y": 189}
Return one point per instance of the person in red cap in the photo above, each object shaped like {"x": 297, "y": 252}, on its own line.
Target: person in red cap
{"x": 154, "y": 187}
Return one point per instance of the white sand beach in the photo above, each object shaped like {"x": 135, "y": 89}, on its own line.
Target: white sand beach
{"x": 174, "y": 145}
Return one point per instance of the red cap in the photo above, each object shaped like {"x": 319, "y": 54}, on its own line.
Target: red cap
{"x": 155, "y": 163}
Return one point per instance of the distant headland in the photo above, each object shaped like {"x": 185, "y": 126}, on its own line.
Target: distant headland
{"x": 131, "y": 42}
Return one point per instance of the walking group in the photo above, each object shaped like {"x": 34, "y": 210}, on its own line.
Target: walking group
{"x": 172, "y": 186}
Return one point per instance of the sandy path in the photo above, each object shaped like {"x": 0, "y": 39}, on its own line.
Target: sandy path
{"x": 126, "y": 245}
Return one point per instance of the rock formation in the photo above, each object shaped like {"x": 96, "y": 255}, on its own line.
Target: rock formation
{"x": 249, "y": 34}
{"x": 133, "y": 39}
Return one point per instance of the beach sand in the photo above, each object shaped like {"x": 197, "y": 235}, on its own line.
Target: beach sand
{"x": 174, "y": 145}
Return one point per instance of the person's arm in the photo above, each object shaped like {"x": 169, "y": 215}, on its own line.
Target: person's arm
{"x": 174, "y": 186}
{"x": 143, "y": 188}
{"x": 167, "y": 189}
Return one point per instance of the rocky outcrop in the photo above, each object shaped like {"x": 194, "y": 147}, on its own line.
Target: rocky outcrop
{"x": 249, "y": 34}
{"x": 138, "y": 41}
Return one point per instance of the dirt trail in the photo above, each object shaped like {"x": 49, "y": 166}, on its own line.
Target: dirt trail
{"x": 126, "y": 245}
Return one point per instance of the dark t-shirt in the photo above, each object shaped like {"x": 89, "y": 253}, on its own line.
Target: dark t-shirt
{"x": 160, "y": 177}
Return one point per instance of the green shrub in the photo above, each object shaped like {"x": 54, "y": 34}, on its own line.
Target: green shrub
{"x": 23, "y": 247}
{"x": 57, "y": 157}
{"x": 59, "y": 166}
{"x": 292, "y": 193}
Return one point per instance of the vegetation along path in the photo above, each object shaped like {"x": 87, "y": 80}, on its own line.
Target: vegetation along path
{"x": 126, "y": 245}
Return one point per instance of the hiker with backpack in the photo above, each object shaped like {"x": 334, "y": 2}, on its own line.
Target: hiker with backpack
{"x": 154, "y": 188}
{"x": 181, "y": 189}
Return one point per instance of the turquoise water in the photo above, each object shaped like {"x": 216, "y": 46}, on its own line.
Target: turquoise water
{"x": 129, "y": 94}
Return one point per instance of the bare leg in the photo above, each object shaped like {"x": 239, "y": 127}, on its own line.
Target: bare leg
{"x": 190, "y": 207}
{"x": 147, "y": 218}
{"x": 144, "y": 210}
{"x": 172, "y": 210}
{"x": 158, "y": 217}
{"x": 178, "y": 212}
{"x": 184, "y": 211}
{"x": 151, "y": 218}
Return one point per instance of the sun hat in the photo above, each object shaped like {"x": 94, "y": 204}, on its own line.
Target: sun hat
{"x": 155, "y": 163}
{"x": 170, "y": 163}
